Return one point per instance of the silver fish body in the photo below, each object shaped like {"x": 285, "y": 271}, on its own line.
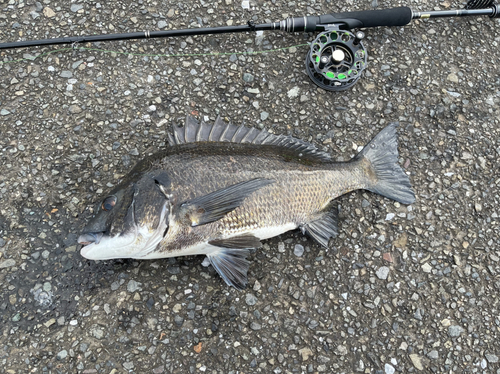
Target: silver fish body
{"x": 219, "y": 190}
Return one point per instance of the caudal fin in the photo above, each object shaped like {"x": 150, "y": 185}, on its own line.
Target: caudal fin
{"x": 390, "y": 179}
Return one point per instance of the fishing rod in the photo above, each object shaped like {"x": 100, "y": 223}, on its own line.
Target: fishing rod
{"x": 336, "y": 58}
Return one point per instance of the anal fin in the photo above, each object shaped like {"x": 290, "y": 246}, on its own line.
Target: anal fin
{"x": 324, "y": 227}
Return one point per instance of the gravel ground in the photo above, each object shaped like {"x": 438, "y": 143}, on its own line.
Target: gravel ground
{"x": 402, "y": 289}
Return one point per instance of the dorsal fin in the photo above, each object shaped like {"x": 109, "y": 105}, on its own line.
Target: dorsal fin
{"x": 194, "y": 131}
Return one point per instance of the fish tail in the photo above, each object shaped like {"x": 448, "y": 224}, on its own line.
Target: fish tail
{"x": 386, "y": 177}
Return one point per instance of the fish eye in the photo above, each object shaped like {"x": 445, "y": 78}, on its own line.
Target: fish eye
{"x": 108, "y": 203}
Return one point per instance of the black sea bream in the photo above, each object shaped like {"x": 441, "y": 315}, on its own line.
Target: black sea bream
{"x": 218, "y": 190}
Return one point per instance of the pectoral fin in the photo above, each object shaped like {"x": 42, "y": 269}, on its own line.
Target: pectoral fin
{"x": 230, "y": 260}
{"x": 324, "y": 227}
{"x": 215, "y": 205}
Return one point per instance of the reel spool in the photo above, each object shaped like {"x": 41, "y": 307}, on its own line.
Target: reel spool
{"x": 336, "y": 59}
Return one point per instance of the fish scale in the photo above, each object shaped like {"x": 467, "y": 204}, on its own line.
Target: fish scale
{"x": 219, "y": 190}
{"x": 207, "y": 168}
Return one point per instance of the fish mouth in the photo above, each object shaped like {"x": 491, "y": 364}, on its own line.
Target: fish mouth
{"x": 90, "y": 238}
{"x": 87, "y": 240}
{"x": 101, "y": 246}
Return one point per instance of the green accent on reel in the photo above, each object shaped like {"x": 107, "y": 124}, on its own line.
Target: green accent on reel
{"x": 342, "y": 76}
{"x": 330, "y": 75}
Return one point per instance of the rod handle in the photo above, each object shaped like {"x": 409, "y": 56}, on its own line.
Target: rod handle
{"x": 349, "y": 20}
{"x": 370, "y": 18}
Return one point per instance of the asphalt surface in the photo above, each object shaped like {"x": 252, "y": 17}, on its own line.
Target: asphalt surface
{"x": 402, "y": 289}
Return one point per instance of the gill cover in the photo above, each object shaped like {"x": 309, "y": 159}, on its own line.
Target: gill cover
{"x": 132, "y": 222}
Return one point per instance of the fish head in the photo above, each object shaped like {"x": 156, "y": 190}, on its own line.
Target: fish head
{"x": 130, "y": 221}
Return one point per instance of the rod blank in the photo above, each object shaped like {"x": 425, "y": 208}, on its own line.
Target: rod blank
{"x": 492, "y": 12}
{"x": 346, "y": 21}
{"x": 140, "y": 35}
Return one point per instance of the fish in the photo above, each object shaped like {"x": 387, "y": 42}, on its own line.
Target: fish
{"x": 219, "y": 190}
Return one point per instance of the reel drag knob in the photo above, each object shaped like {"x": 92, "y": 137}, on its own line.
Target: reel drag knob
{"x": 336, "y": 59}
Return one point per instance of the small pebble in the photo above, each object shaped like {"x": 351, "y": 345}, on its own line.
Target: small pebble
{"x": 305, "y": 353}
{"x": 250, "y": 299}
{"x": 76, "y": 7}
{"x": 62, "y": 355}
{"x": 387, "y": 257}
{"x": 75, "y": 65}
{"x": 433, "y": 354}
{"x": 178, "y": 320}
{"x": 294, "y": 92}
{"x": 389, "y": 369}
{"x": 75, "y": 109}
{"x": 7, "y": 263}
{"x": 247, "y": 77}
{"x": 416, "y": 361}
{"x": 452, "y": 77}
{"x": 255, "y": 326}
{"x": 66, "y": 74}
{"x": 98, "y": 333}
{"x": 256, "y": 286}
{"x": 492, "y": 359}
{"x": 132, "y": 286}
{"x": 455, "y": 330}
{"x": 383, "y": 272}
{"x": 298, "y": 250}
{"x": 129, "y": 365}
{"x": 426, "y": 268}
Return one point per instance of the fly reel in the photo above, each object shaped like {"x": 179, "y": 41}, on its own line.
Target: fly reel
{"x": 336, "y": 59}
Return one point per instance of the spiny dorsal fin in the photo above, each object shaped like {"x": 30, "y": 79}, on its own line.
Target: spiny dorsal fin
{"x": 194, "y": 131}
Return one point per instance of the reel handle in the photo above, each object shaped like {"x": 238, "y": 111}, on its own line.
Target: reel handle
{"x": 349, "y": 20}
